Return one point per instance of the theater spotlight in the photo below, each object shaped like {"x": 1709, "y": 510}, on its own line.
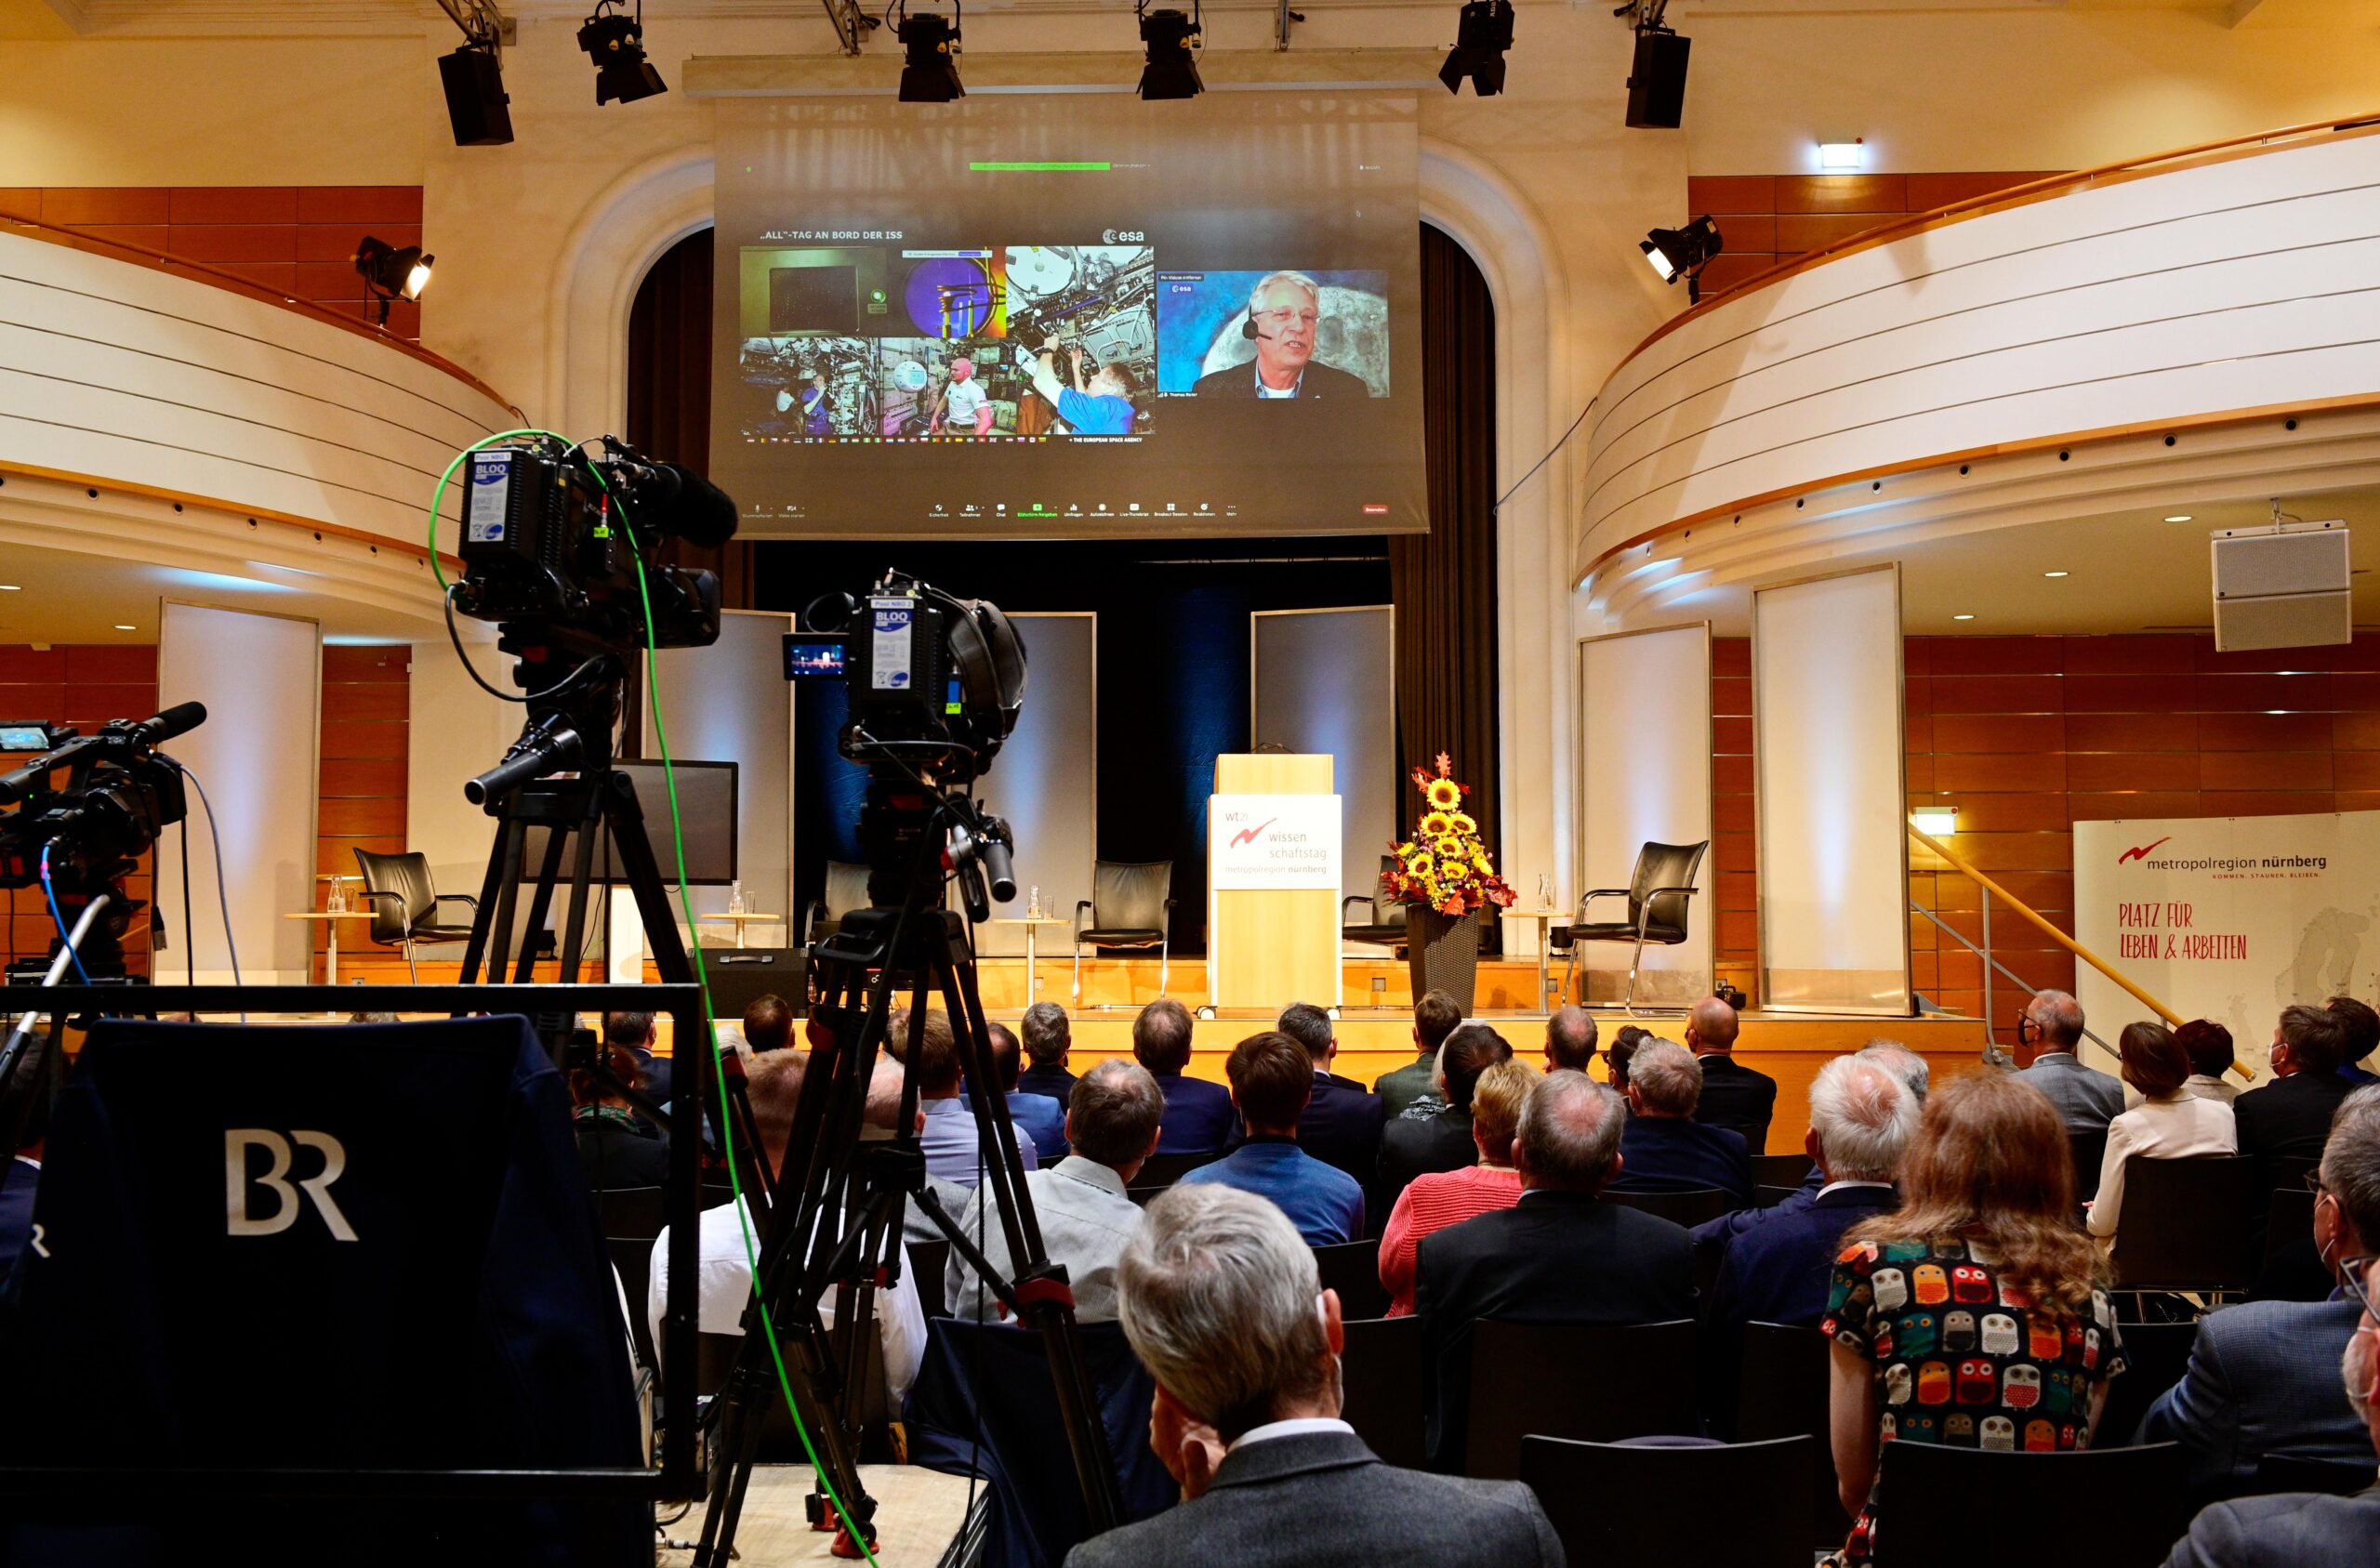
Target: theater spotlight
{"x": 930, "y": 73}
{"x": 477, "y": 106}
{"x": 1657, "y": 70}
{"x": 392, "y": 273}
{"x": 1172, "y": 68}
{"x": 1480, "y": 40}
{"x": 1683, "y": 252}
{"x": 615, "y": 43}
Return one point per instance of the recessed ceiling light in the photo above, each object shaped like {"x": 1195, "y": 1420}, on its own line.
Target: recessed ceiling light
{"x": 2179, "y": 517}
{"x": 1963, "y": 617}
{"x": 12, "y": 587}
{"x": 121, "y": 626}
{"x": 2053, "y": 573}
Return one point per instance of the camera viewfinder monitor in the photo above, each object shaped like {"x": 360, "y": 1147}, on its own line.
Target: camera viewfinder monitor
{"x": 813, "y": 656}
{"x": 24, "y": 737}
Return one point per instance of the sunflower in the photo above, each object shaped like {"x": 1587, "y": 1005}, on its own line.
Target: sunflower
{"x": 1443, "y": 794}
{"x": 1449, "y": 848}
{"x": 1438, "y": 825}
{"x": 1462, "y": 822}
{"x": 1481, "y": 866}
{"x": 1420, "y": 863}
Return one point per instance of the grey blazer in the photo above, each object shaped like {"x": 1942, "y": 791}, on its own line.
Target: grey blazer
{"x": 2088, "y": 1099}
{"x": 2290, "y": 1530}
{"x": 1322, "y": 1500}
{"x": 2263, "y": 1378}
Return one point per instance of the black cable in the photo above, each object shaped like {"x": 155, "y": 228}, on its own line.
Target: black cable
{"x": 1542, "y": 461}
{"x": 456, "y": 638}
{"x": 189, "y": 937}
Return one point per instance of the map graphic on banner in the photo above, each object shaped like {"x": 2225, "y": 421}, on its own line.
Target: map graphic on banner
{"x": 1273, "y": 841}
{"x": 2229, "y": 918}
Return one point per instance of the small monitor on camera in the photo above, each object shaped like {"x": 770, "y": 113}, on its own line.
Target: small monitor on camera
{"x": 813, "y": 656}
{"x": 24, "y": 737}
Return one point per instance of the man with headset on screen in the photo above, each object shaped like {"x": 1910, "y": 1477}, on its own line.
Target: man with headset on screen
{"x": 1284, "y": 316}
{"x": 1102, "y": 408}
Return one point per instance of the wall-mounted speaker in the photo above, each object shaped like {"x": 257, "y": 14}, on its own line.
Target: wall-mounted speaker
{"x": 1657, "y": 81}
{"x": 2284, "y": 587}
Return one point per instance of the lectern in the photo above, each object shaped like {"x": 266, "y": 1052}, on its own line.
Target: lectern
{"x": 1273, "y": 830}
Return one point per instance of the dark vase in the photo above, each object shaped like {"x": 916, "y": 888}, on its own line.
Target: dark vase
{"x": 1442, "y": 951}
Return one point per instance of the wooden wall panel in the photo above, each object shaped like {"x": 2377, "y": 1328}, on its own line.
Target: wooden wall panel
{"x": 1765, "y": 219}
{"x": 365, "y": 735}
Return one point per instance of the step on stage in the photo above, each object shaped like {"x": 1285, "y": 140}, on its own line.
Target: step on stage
{"x": 1375, "y": 1022}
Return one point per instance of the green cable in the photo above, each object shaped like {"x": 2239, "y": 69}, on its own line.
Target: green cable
{"x": 438, "y": 494}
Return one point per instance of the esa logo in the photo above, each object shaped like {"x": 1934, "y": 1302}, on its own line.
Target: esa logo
{"x": 1123, "y": 236}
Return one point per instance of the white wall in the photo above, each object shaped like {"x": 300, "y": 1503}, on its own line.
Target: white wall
{"x": 1645, "y": 778}
{"x": 457, "y": 731}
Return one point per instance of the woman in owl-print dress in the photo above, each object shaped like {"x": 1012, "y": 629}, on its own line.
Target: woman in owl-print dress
{"x": 1979, "y": 1327}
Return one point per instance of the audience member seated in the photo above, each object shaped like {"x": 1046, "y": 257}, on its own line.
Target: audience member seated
{"x": 2208, "y": 1045}
{"x": 884, "y": 1110}
{"x": 1272, "y": 1078}
{"x": 1976, "y": 1314}
{"x": 1449, "y": 1197}
{"x": 1412, "y": 1090}
{"x": 1624, "y": 1041}
{"x": 1039, "y": 1117}
{"x": 618, "y": 1148}
{"x": 1733, "y": 1096}
{"x": 2169, "y": 1124}
{"x": 2296, "y": 1529}
{"x": 1415, "y": 1145}
{"x": 1892, "y": 1056}
{"x": 1047, "y": 1035}
{"x": 638, "y": 1032}
{"x": 2360, "y": 1028}
{"x": 374, "y": 1018}
{"x": 1079, "y": 1203}
{"x": 1862, "y": 1120}
{"x": 1199, "y": 1118}
{"x": 2290, "y": 1118}
{"x": 2051, "y": 1027}
{"x": 1665, "y": 1150}
{"x": 1570, "y": 1037}
{"x": 1559, "y": 1254}
{"x": 19, "y": 1179}
{"x": 1223, "y": 1304}
{"x": 2263, "y": 1375}
{"x": 952, "y": 1148}
{"x": 1342, "y": 1119}
{"x": 723, "y": 1269}
{"x": 768, "y": 1024}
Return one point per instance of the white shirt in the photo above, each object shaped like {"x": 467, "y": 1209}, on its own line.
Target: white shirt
{"x": 966, "y": 400}
{"x": 2198, "y": 1086}
{"x": 2179, "y": 1126}
{"x": 724, "y": 1278}
{"x": 1839, "y": 1186}
{"x": 1288, "y": 392}
{"x": 1296, "y": 1426}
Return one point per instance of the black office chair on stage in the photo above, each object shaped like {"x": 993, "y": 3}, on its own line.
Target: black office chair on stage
{"x": 846, "y": 890}
{"x": 1380, "y": 921}
{"x": 404, "y": 905}
{"x": 1130, "y": 906}
{"x": 1658, "y": 896}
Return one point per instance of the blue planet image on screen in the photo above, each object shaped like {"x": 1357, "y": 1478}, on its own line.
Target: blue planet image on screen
{"x": 1199, "y": 315}
{"x": 949, "y": 296}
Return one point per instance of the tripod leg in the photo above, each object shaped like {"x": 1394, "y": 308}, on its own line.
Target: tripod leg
{"x": 581, "y": 872}
{"x": 491, "y": 886}
{"x": 541, "y": 900}
{"x": 511, "y": 851}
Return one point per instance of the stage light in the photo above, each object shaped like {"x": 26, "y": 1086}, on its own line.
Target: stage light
{"x": 392, "y": 273}
{"x": 477, "y": 107}
{"x": 1172, "y": 68}
{"x": 2053, "y": 573}
{"x": 1963, "y": 617}
{"x": 121, "y": 626}
{"x": 616, "y": 44}
{"x": 2179, "y": 517}
{"x": 1481, "y": 37}
{"x": 1683, "y": 252}
{"x": 1935, "y": 821}
{"x": 930, "y": 71}
{"x": 1838, "y": 155}
{"x": 1657, "y": 70}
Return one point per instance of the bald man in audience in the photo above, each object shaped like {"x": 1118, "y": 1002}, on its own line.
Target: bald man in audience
{"x": 1570, "y": 1037}
{"x": 2051, "y": 1027}
{"x": 1667, "y": 1150}
{"x": 1733, "y": 1096}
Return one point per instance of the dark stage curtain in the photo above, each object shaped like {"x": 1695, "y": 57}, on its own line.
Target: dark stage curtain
{"x": 669, "y": 389}
{"x": 1443, "y": 583}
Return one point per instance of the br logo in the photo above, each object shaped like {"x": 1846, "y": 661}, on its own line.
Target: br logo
{"x": 241, "y": 1188}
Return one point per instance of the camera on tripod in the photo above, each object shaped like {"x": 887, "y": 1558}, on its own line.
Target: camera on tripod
{"x": 118, "y": 795}
{"x": 552, "y": 540}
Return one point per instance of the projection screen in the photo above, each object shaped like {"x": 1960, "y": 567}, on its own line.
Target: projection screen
{"x": 1082, "y": 318}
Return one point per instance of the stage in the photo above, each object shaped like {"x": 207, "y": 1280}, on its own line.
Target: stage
{"x": 919, "y": 1514}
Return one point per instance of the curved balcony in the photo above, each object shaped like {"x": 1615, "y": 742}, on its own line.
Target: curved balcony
{"x": 2206, "y": 319}
{"x": 155, "y": 410}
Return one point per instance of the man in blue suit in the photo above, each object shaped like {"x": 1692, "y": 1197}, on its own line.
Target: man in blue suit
{"x": 1342, "y": 1119}
{"x": 2263, "y": 1375}
{"x": 1199, "y": 1117}
{"x": 1038, "y": 1117}
{"x": 1664, "y": 1149}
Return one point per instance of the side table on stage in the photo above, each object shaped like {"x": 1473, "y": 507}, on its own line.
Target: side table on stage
{"x": 331, "y": 918}
{"x": 740, "y": 921}
{"x": 1032, "y": 957}
{"x": 1544, "y": 918}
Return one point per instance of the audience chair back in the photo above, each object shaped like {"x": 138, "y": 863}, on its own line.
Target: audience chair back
{"x": 2294, "y": 1472}
{"x": 1161, "y": 1171}
{"x": 2188, "y": 1224}
{"x": 2156, "y": 1354}
{"x": 2289, "y": 1216}
{"x": 1353, "y": 1270}
{"x": 1693, "y": 1207}
{"x": 1384, "y": 1389}
{"x": 1781, "y": 1392}
{"x": 632, "y": 1259}
{"x": 1788, "y": 1171}
{"x": 930, "y": 1266}
{"x": 1597, "y": 1383}
{"x": 2110, "y": 1507}
{"x": 2090, "y": 1151}
{"x": 1599, "y": 1498}
{"x": 1769, "y": 1197}
{"x": 632, "y": 1213}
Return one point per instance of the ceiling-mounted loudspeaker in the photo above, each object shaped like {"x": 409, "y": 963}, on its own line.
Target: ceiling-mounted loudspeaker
{"x": 2285, "y": 588}
{"x": 1657, "y": 81}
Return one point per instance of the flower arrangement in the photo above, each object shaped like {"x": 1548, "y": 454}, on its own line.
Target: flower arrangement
{"x": 1443, "y": 865}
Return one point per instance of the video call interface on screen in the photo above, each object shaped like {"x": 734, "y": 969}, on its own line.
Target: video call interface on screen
{"x": 1048, "y": 320}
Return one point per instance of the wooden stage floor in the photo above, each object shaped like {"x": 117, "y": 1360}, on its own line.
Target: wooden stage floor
{"x": 919, "y": 1513}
